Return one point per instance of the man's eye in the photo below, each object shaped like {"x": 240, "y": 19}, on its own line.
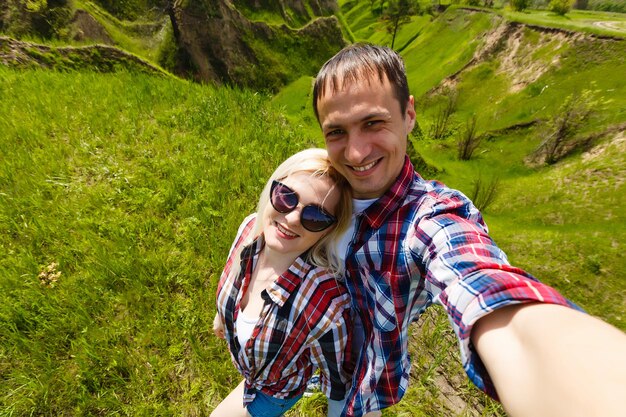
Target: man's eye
{"x": 334, "y": 133}
{"x": 370, "y": 123}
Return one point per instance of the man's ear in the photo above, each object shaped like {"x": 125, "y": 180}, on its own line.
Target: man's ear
{"x": 410, "y": 114}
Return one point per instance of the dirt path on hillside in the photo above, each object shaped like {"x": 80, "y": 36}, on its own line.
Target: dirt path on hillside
{"x": 610, "y": 25}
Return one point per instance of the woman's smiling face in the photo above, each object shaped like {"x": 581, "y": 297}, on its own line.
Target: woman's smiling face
{"x": 283, "y": 232}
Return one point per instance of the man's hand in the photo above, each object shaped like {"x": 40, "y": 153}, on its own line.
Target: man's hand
{"x": 218, "y": 326}
{"x": 550, "y": 360}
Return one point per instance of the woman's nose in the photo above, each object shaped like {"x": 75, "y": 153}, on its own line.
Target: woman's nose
{"x": 293, "y": 217}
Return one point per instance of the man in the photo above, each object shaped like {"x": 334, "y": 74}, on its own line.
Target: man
{"x": 413, "y": 243}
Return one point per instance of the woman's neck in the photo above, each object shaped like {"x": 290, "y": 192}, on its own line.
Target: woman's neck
{"x": 272, "y": 261}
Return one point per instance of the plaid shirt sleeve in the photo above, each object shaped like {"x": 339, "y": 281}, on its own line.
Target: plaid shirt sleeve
{"x": 331, "y": 347}
{"x": 468, "y": 274}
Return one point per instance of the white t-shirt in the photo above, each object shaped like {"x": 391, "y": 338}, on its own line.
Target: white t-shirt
{"x": 358, "y": 206}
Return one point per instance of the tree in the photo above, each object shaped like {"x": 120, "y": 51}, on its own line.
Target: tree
{"x": 581, "y": 4}
{"x": 398, "y": 12}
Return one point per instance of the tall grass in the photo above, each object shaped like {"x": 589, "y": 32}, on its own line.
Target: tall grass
{"x": 134, "y": 186}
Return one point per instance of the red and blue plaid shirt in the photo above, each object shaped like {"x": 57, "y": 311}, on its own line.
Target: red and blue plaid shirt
{"x": 303, "y": 326}
{"x": 423, "y": 243}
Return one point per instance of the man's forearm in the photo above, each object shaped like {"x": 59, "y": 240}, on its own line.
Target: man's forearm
{"x": 550, "y": 360}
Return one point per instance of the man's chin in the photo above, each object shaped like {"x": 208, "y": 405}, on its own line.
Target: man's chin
{"x": 365, "y": 190}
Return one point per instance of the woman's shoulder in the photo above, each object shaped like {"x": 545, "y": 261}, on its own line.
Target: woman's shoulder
{"x": 326, "y": 282}
{"x": 247, "y": 226}
{"x": 248, "y": 222}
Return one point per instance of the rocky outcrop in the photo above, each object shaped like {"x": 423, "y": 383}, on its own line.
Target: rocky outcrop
{"x": 292, "y": 11}
{"x": 225, "y": 47}
{"x": 100, "y": 58}
{"x": 85, "y": 27}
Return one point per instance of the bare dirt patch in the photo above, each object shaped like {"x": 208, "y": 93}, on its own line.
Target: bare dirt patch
{"x": 518, "y": 59}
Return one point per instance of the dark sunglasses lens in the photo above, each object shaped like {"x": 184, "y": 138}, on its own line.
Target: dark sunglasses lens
{"x": 283, "y": 198}
{"x": 314, "y": 219}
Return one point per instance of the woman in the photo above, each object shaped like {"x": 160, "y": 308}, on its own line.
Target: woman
{"x": 280, "y": 306}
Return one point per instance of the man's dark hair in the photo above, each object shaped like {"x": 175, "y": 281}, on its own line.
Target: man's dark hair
{"x": 362, "y": 60}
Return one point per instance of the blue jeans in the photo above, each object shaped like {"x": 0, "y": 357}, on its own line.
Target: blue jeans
{"x": 268, "y": 406}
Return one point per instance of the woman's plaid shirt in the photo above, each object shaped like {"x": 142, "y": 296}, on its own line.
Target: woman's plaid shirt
{"x": 423, "y": 243}
{"x": 304, "y": 325}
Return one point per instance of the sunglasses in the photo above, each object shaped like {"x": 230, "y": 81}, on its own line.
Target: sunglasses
{"x": 312, "y": 217}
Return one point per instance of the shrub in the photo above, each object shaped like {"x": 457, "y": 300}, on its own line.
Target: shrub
{"x": 520, "y": 5}
{"x": 441, "y": 125}
{"x": 468, "y": 140}
{"x": 485, "y": 192}
{"x": 560, "y": 7}
{"x": 38, "y": 18}
{"x": 561, "y": 130}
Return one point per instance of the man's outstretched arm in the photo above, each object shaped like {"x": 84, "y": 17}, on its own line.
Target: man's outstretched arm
{"x": 550, "y": 360}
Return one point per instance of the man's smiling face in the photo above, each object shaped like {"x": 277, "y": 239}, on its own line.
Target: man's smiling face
{"x": 366, "y": 134}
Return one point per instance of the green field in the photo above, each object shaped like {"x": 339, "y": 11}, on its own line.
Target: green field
{"x": 120, "y": 195}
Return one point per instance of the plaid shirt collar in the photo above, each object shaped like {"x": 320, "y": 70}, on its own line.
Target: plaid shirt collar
{"x": 280, "y": 290}
{"x": 388, "y": 203}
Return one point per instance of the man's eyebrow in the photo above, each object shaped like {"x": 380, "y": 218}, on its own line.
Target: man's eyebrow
{"x": 326, "y": 126}
{"x": 370, "y": 116}
{"x": 377, "y": 115}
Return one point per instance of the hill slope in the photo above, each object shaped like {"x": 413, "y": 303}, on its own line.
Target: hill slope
{"x": 119, "y": 200}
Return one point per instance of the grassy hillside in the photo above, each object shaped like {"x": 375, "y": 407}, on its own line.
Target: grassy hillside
{"x": 120, "y": 194}
{"x": 119, "y": 197}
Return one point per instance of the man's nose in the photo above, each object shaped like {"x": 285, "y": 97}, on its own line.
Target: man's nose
{"x": 357, "y": 149}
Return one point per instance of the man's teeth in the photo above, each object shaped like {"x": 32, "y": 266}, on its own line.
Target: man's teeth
{"x": 285, "y": 231}
{"x": 364, "y": 167}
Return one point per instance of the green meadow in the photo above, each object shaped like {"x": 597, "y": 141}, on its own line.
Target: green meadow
{"x": 120, "y": 195}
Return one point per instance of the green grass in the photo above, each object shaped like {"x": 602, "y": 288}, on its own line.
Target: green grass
{"x": 128, "y": 184}
{"x": 594, "y": 22}
{"x": 132, "y": 187}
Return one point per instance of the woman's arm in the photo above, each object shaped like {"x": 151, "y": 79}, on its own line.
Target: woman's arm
{"x": 218, "y": 326}
{"x": 333, "y": 356}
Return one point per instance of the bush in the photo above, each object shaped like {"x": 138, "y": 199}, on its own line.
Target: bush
{"x": 520, "y": 5}
{"x": 561, "y": 131}
{"x": 441, "y": 125}
{"x": 484, "y": 192}
{"x": 560, "y": 7}
{"x": 38, "y": 18}
{"x": 468, "y": 140}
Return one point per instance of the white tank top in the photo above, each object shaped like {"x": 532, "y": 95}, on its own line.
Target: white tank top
{"x": 245, "y": 325}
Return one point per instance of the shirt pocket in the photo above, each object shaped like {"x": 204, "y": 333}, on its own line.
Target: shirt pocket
{"x": 381, "y": 299}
